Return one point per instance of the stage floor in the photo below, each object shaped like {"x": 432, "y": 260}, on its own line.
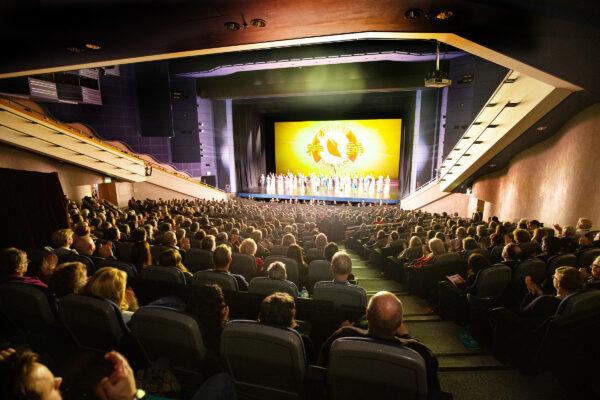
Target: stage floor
{"x": 391, "y": 196}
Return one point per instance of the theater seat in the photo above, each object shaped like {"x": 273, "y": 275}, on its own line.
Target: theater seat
{"x": 163, "y": 274}
{"x": 579, "y": 303}
{"x": 128, "y": 268}
{"x": 314, "y": 254}
{"x": 97, "y": 324}
{"x": 362, "y": 368}
{"x": 319, "y": 270}
{"x": 532, "y": 267}
{"x": 279, "y": 250}
{"x": 89, "y": 264}
{"x": 267, "y": 286}
{"x": 291, "y": 267}
{"x": 155, "y": 251}
{"x": 243, "y": 264}
{"x": 31, "y": 315}
{"x": 587, "y": 257}
{"x": 123, "y": 250}
{"x": 167, "y": 334}
{"x": 198, "y": 259}
{"x": 27, "y": 306}
{"x": 265, "y": 362}
{"x": 340, "y": 294}
{"x": 224, "y": 281}
{"x": 490, "y": 286}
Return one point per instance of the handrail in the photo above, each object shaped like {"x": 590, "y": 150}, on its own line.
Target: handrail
{"x": 76, "y": 132}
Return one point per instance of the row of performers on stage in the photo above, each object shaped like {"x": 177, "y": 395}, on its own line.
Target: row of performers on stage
{"x": 342, "y": 183}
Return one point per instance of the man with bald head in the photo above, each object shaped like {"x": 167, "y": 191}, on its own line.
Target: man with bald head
{"x": 385, "y": 317}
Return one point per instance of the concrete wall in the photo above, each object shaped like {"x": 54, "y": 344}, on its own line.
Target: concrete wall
{"x": 555, "y": 181}
{"x": 431, "y": 199}
{"x": 76, "y": 181}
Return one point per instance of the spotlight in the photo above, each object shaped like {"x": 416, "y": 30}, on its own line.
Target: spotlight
{"x": 444, "y": 15}
{"x": 232, "y": 26}
{"x": 92, "y": 46}
{"x": 258, "y": 23}
{"x": 413, "y": 13}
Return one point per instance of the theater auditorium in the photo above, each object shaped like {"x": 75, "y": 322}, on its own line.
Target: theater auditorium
{"x": 276, "y": 199}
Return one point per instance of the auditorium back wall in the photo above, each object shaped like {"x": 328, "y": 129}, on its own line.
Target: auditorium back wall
{"x": 556, "y": 181}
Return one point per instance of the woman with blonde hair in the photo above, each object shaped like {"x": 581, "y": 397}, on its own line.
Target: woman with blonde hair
{"x": 111, "y": 284}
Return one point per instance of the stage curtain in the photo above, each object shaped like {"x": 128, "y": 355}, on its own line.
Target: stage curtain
{"x": 32, "y": 206}
{"x": 249, "y": 145}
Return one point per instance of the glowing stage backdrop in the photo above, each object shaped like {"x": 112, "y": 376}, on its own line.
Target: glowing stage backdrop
{"x": 365, "y": 146}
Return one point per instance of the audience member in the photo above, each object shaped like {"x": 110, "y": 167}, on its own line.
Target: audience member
{"x": 222, "y": 261}
{"x": 385, "y": 318}
{"x": 69, "y": 277}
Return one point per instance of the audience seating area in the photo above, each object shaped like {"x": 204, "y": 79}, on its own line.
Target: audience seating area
{"x": 534, "y": 304}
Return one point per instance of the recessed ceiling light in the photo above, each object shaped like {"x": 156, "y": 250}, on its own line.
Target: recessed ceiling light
{"x": 92, "y": 46}
{"x": 75, "y": 49}
{"x": 232, "y": 26}
{"x": 413, "y": 13}
{"x": 443, "y": 15}
{"x": 541, "y": 128}
{"x": 258, "y": 22}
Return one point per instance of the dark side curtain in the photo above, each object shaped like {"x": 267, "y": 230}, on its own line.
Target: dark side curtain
{"x": 249, "y": 144}
{"x": 407, "y": 150}
{"x": 32, "y": 206}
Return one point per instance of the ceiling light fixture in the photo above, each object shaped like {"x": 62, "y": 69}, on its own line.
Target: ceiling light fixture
{"x": 444, "y": 15}
{"x": 232, "y": 26}
{"x": 92, "y": 46}
{"x": 258, "y": 23}
{"x": 541, "y": 128}
{"x": 75, "y": 49}
{"x": 413, "y": 13}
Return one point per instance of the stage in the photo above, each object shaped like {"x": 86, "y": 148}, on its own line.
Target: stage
{"x": 358, "y": 195}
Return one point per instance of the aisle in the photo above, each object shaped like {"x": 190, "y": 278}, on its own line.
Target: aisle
{"x": 458, "y": 364}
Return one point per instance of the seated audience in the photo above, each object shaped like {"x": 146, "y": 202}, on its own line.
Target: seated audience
{"x": 437, "y": 248}
{"x": 222, "y": 261}
{"x": 42, "y": 265}
{"x": 279, "y": 309}
{"x": 69, "y": 277}
{"x": 413, "y": 251}
{"x": 207, "y": 305}
{"x": 172, "y": 258}
{"x": 249, "y": 247}
{"x": 385, "y": 323}
{"x": 141, "y": 256}
{"x": 22, "y": 376}
{"x": 62, "y": 240}
{"x": 295, "y": 253}
{"x": 13, "y": 266}
{"x": 567, "y": 280}
{"x": 111, "y": 284}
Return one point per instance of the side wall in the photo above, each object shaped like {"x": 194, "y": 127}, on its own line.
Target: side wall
{"x": 555, "y": 181}
{"x": 76, "y": 181}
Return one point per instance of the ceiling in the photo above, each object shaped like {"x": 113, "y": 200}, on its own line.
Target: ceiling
{"x": 529, "y": 36}
{"x": 34, "y": 34}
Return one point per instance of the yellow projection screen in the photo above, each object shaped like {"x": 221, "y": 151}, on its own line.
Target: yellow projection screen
{"x": 345, "y": 147}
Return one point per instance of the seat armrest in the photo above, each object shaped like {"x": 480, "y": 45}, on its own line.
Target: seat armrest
{"x": 315, "y": 373}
